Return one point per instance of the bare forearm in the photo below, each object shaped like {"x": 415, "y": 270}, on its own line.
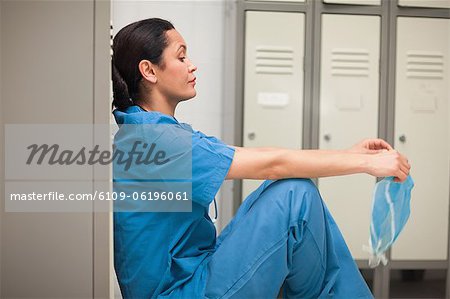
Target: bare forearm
{"x": 316, "y": 163}
{"x": 279, "y": 163}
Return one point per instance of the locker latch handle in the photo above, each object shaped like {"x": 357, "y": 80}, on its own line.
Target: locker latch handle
{"x": 327, "y": 137}
{"x": 402, "y": 138}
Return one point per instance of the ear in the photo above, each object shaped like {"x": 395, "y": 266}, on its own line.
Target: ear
{"x": 147, "y": 70}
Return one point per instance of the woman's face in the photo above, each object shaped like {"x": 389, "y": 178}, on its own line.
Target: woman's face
{"x": 176, "y": 80}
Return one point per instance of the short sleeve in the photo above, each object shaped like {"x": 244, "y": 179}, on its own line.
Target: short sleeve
{"x": 210, "y": 138}
{"x": 211, "y": 161}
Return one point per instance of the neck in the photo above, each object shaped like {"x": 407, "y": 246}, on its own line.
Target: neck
{"x": 159, "y": 104}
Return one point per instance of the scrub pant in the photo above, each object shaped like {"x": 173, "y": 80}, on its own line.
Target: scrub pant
{"x": 283, "y": 235}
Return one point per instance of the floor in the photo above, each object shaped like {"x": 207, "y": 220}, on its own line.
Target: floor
{"x": 411, "y": 284}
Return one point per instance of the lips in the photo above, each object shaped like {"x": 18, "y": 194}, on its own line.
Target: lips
{"x": 192, "y": 81}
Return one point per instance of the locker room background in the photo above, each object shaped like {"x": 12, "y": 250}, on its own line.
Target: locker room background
{"x": 380, "y": 73}
{"x": 324, "y": 75}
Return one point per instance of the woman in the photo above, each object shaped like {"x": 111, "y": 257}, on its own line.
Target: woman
{"x": 282, "y": 234}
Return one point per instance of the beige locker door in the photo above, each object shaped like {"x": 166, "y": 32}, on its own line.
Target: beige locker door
{"x": 422, "y": 133}
{"x": 357, "y": 2}
{"x": 348, "y": 114}
{"x": 425, "y": 3}
{"x": 47, "y": 73}
{"x": 273, "y": 96}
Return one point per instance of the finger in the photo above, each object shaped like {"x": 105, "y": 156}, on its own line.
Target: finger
{"x": 378, "y": 151}
{"x": 404, "y": 161}
{"x": 400, "y": 178}
{"x": 407, "y": 163}
{"x": 377, "y": 144}
{"x": 401, "y": 175}
{"x": 374, "y": 151}
{"x": 404, "y": 169}
{"x": 373, "y": 144}
{"x": 383, "y": 144}
{"x": 403, "y": 165}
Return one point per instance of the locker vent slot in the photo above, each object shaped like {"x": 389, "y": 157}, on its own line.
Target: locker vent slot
{"x": 274, "y": 60}
{"x": 350, "y": 62}
{"x": 425, "y": 64}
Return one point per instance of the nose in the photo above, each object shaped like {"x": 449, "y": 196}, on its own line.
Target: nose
{"x": 192, "y": 67}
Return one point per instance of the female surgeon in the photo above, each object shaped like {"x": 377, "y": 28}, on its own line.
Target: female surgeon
{"x": 282, "y": 234}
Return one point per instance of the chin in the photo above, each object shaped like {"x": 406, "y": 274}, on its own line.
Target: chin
{"x": 190, "y": 96}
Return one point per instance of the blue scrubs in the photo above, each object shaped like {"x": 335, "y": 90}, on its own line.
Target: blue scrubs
{"x": 282, "y": 233}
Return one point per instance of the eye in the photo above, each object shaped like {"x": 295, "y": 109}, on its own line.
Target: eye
{"x": 182, "y": 59}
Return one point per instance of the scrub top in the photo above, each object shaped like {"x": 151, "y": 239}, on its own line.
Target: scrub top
{"x": 165, "y": 254}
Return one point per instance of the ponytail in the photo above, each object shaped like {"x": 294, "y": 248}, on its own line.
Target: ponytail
{"x": 121, "y": 97}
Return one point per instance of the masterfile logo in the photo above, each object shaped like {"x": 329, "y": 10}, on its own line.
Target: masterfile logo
{"x": 80, "y": 168}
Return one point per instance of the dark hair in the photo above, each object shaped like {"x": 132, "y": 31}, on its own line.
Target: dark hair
{"x": 145, "y": 39}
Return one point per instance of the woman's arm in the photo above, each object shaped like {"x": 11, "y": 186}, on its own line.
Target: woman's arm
{"x": 374, "y": 157}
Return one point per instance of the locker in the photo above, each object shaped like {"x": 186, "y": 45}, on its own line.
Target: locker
{"x": 349, "y": 84}
{"x": 422, "y": 133}
{"x": 357, "y": 2}
{"x": 425, "y": 3}
{"x": 273, "y": 93}
{"x": 48, "y": 255}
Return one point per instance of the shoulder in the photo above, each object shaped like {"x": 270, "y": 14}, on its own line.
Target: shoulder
{"x": 135, "y": 115}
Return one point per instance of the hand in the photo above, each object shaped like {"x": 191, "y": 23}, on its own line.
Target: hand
{"x": 389, "y": 163}
{"x": 370, "y": 146}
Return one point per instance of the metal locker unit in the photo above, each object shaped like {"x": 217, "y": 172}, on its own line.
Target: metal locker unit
{"x": 273, "y": 95}
{"x": 53, "y": 254}
{"x": 422, "y": 133}
{"x": 357, "y": 2}
{"x": 425, "y": 3}
{"x": 349, "y": 88}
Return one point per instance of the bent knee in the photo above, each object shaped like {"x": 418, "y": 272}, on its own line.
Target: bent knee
{"x": 297, "y": 197}
{"x": 293, "y": 188}
{"x": 297, "y": 185}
